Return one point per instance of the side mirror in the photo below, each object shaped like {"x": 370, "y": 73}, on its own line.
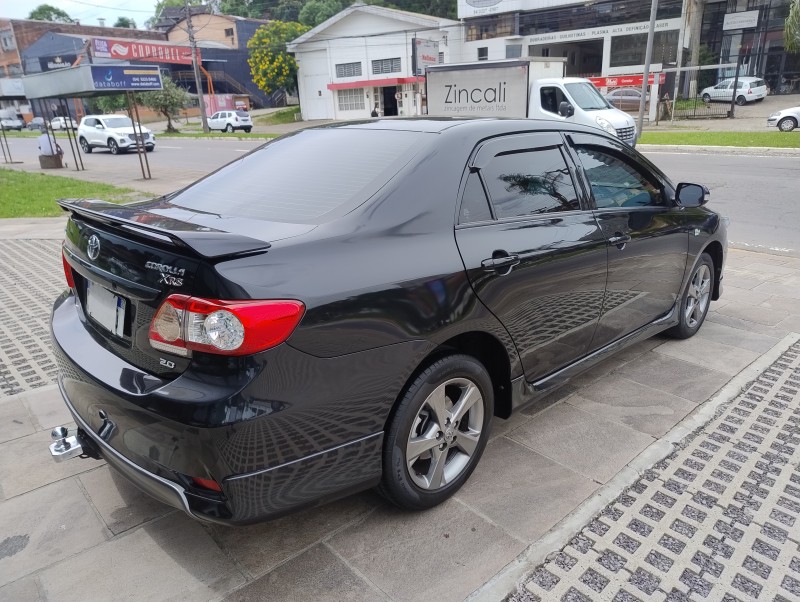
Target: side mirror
{"x": 691, "y": 195}
{"x": 565, "y": 109}
{"x": 99, "y": 126}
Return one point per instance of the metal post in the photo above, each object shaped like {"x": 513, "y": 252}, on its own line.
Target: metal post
{"x": 679, "y": 58}
{"x": 139, "y": 147}
{"x": 197, "y": 81}
{"x": 648, "y": 55}
{"x": 68, "y": 130}
{"x": 143, "y": 148}
{"x": 735, "y": 85}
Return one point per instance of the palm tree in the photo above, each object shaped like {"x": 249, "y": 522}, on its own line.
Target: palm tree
{"x": 791, "y": 30}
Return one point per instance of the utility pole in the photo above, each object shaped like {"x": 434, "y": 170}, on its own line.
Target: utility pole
{"x": 197, "y": 81}
{"x": 648, "y": 56}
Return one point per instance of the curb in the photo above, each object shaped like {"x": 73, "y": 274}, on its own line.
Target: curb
{"x": 506, "y": 581}
{"x": 763, "y": 151}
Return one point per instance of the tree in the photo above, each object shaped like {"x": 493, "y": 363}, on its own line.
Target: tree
{"x": 287, "y": 10}
{"x": 251, "y": 9}
{"x": 111, "y": 104}
{"x": 317, "y": 11}
{"x": 162, "y": 4}
{"x": 125, "y": 22}
{"x": 167, "y": 101}
{"x": 791, "y": 31}
{"x": 45, "y": 12}
{"x": 270, "y": 65}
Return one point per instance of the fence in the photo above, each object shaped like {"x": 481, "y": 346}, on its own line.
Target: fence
{"x": 690, "y": 93}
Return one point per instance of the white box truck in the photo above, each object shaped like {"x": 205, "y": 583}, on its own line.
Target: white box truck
{"x": 523, "y": 88}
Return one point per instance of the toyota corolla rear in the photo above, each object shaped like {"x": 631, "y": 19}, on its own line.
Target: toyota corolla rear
{"x": 174, "y": 337}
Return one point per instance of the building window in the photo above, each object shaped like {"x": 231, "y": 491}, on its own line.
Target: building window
{"x": 629, "y": 50}
{"x": 7, "y": 41}
{"x": 386, "y": 66}
{"x": 483, "y": 53}
{"x": 497, "y": 26}
{"x": 513, "y": 51}
{"x": 545, "y": 52}
{"x": 229, "y": 32}
{"x": 441, "y": 58}
{"x": 348, "y": 69}
{"x": 351, "y": 100}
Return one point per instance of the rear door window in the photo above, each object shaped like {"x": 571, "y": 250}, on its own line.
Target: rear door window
{"x": 242, "y": 114}
{"x": 530, "y": 182}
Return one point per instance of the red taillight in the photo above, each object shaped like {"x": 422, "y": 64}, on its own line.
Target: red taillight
{"x": 67, "y": 270}
{"x": 223, "y": 327}
{"x": 207, "y": 484}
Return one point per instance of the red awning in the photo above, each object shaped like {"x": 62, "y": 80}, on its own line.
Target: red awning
{"x": 369, "y": 83}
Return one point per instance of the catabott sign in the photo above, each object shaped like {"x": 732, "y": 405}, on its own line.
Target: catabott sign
{"x": 105, "y": 77}
{"x": 626, "y": 80}
{"x": 131, "y": 50}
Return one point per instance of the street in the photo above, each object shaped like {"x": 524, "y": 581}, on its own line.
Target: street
{"x": 756, "y": 192}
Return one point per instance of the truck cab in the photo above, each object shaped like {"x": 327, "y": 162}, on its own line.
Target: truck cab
{"x": 576, "y": 100}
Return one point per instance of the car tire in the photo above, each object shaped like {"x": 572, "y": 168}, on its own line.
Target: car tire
{"x": 787, "y": 124}
{"x": 741, "y": 100}
{"x": 113, "y": 146}
{"x": 150, "y": 149}
{"x": 85, "y": 146}
{"x": 248, "y": 130}
{"x": 428, "y": 450}
{"x": 706, "y": 98}
{"x": 695, "y": 299}
{"x": 229, "y": 128}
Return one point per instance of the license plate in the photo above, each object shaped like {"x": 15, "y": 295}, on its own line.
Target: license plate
{"x": 106, "y": 308}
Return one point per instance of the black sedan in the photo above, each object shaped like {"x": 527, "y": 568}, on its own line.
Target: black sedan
{"x": 350, "y": 306}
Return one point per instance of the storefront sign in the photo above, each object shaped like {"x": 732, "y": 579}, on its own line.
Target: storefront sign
{"x": 745, "y": 20}
{"x": 476, "y": 8}
{"x": 129, "y": 50}
{"x": 106, "y": 77}
{"x": 426, "y": 53}
{"x": 53, "y": 63}
{"x": 601, "y": 32}
{"x": 619, "y": 81}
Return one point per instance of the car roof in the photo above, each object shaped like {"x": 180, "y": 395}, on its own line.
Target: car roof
{"x": 441, "y": 124}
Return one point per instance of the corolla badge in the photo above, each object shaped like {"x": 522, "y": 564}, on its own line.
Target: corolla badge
{"x": 93, "y": 248}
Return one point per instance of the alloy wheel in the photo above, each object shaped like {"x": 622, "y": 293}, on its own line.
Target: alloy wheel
{"x": 698, "y": 297}
{"x": 445, "y": 434}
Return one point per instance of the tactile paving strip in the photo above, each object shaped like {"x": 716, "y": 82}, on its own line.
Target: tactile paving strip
{"x": 716, "y": 520}
{"x": 31, "y": 278}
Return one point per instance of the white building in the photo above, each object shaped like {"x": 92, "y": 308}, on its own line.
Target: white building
{"x": 363, "y": 58}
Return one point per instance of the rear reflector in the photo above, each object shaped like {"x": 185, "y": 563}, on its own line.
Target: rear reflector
{"x": 223, "y": 327}
{"x": 67, "y": 270}
{"x": 207, "y": 484}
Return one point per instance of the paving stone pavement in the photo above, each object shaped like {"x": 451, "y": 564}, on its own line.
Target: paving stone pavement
{"x": 715, "y": 520}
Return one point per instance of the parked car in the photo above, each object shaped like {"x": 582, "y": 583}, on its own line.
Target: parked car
{"x": 62, "y": 123}
{"x": 37, "y": 123}
{"x": 350, "y": 306}
{"x": 228, "y": 121}
{"x": 114, "y": 132}
{"x": 11, "y": 123}
{"x": 748, "y": 89}
{"x": 785, "y": 120}
{"x": 626, "y": 99}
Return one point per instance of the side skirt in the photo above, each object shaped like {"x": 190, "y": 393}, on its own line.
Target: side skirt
{"x": 524, "y": 392}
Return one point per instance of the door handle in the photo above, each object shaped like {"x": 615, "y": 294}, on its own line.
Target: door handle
{"x": 502, "y": 264}
{"x": 619, "y": 240}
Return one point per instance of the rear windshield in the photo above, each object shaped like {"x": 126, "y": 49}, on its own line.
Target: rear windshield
{"x": 242, "y": 114}
{"x": 758, "y": 83}
{"x": 305, "y": 178}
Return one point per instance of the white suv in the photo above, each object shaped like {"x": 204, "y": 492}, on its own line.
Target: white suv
{"x": 228, "y": 121}
{"x": 748, "y": 90}
{"x": 114, "y": 132}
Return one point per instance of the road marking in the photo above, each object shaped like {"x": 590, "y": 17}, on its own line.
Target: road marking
{"x": 242, "y": 150}
{"x": 776, "y": 155}
{"x": 164, "y": 146}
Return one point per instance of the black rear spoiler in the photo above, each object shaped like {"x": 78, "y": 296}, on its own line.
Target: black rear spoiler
{"x": 201, "y": 240}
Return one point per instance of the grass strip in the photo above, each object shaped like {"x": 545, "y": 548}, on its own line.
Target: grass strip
{"x": 278, "y": 117}
{"x": 25, "y": 194}
{"x": 770, "y": 139}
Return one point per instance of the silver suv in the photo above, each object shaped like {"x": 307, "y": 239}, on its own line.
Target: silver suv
{"x": 114, "y": 132}
{"x": 228, "y": 121}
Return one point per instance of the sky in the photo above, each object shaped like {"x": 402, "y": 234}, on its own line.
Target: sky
{"x": 86, "y": 11}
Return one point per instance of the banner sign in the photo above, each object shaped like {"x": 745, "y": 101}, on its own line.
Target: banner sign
{"x": 426, "y": 53}
{"x": 619, "y": 81}
{"x": 132, "y": 50}
{"x": 54, "y": 63}
{"x": 105, "y": 77}
{"x": 744, "y": 20}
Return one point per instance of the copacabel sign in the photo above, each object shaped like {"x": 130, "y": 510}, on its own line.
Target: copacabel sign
{"x": 130, "y": 50}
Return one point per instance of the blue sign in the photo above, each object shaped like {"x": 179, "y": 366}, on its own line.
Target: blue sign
{"x": 130, "y": 77}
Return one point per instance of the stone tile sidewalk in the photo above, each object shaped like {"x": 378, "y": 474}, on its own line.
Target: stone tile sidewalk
{"x": 714, "y": 520}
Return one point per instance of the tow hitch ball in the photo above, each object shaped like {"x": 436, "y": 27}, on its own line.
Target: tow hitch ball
{"x": 64, "y": 446}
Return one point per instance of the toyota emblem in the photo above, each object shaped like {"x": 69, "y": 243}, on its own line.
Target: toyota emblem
{"x": 93, "y": 248}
